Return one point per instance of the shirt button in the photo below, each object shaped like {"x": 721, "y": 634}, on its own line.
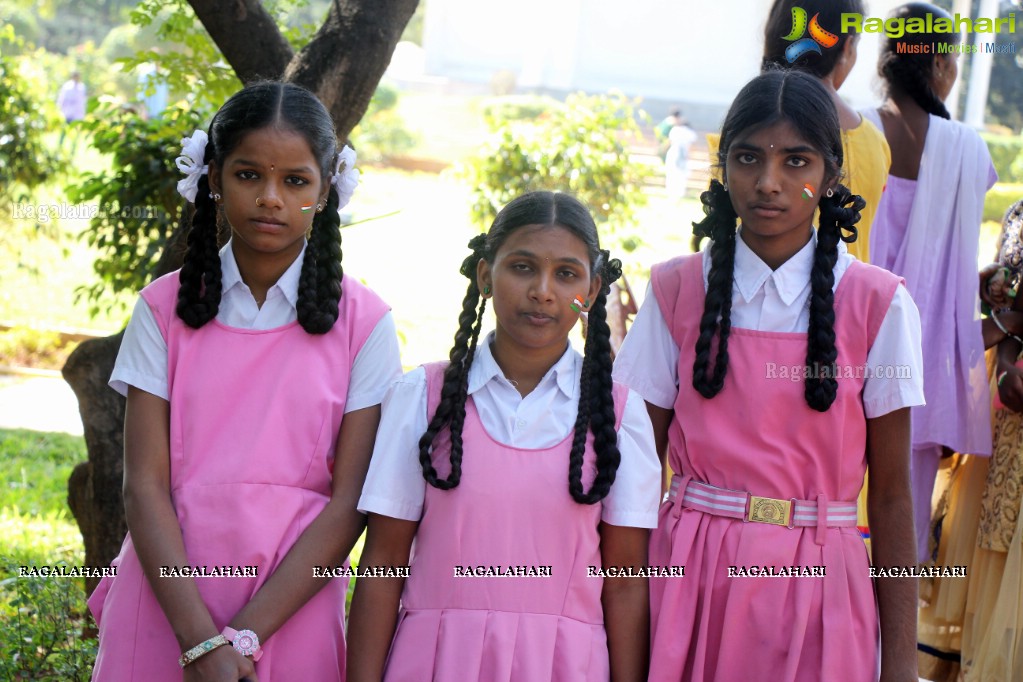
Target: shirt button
{"x": 521, "y": 424}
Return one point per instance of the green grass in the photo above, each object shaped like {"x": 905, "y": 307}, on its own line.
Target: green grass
{"x": 34, "y": 468}
{"x": 40, "y": 619}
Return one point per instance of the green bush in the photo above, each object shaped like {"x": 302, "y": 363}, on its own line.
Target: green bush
{"x": 998, "y": 200}
{"x": 138, "y": 203}
{"x": 41, "y": 627}
{"x": 25, "y": 161}
{"x": 500, "y": 111}
{"x": 381, "y": 134}
{"x": 1016, "y": 170}
{"x": 1005, "y": 151}
{"x": 580, "y": 148}
{"x": 27, "y": 347}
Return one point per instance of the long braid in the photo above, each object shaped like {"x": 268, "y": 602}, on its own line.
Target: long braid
{"x": 319, "y": 289}
{"x": 200, "y": 277}
{"x": 719, "y": 225}
{"x": 821, "y": 386}
{"x": 454, "y": 391}
{"x": 596, "y": 398}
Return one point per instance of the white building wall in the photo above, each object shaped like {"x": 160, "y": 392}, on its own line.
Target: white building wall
{"x": 689, "y": 51}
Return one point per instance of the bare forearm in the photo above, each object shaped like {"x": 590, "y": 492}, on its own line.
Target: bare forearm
{"x": 156, "y": 535}
{"x": 894, "y": 543}
{"x": 326, "y": 542}
{"x": 371, "y": 625}
{"x": 376, "y": 600}
{"x": 627, "y": 619}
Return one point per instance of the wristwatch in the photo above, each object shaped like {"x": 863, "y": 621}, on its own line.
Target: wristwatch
{"x": 244, "y": 642}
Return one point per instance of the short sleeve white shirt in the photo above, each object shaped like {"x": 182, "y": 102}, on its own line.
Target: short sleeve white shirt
{"x": 777, "y": 300}
{"x": 395, "y": 485}
{"x": 142, "y": 360}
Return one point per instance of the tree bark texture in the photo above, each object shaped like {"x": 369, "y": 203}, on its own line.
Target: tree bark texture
{"x": 343, "y": 65}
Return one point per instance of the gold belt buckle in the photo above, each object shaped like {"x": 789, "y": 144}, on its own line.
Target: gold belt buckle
{"x": 769, "y": 510}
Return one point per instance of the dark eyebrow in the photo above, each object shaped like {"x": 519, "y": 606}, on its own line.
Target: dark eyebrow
{"x": 799, "y": 149}
{"x": 529, "y": 254}
{"x": 301, "y": 169}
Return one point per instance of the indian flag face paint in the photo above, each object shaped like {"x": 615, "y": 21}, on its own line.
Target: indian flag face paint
{"x": 306, "y": 209}
{"x": 578, "y": 304}
{"x": 808, "y": 191}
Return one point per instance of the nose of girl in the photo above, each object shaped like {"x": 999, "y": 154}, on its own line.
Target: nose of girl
{"x": 271, "y": 196}
{"x": 541, "y": 289}
{"x": 768, "y": 180}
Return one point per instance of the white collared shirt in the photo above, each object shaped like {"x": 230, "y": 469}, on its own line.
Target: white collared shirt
{"x": 395, "y": 486}
{"x": 777, "y": 301}
{"x": 142, "y": 360}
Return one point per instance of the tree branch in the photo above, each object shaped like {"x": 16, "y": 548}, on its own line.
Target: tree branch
{"x": 247, "y": 36}
{"x": 346, "y": 59}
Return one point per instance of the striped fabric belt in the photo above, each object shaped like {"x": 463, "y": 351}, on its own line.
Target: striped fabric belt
{"x": 742, "y": 505}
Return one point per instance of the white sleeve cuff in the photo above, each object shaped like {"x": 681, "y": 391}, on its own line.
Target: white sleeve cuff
{"x": 371, "y": 504}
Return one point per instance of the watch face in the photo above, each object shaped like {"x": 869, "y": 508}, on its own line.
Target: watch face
{"x": 246, "y": 643}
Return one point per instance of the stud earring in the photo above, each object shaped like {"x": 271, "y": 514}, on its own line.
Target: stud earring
{"x": 215, "y": 197}
{"x": 486, "y": 291}
{"x": 319, "y": 208}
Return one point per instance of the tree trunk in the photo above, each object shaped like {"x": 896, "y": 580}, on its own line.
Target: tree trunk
{"x": 94, "y": 489}
{"x": 342, "y": 65}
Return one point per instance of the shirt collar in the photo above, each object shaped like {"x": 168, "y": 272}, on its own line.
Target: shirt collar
{"x": 287, "y": 285}
{"x": 791, "y": 279}
{"x": 485, "y": 369}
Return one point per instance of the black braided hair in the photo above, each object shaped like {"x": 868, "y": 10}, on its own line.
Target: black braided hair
{"x": 912, "y": 73}
{"x": 199, "y": 294}
{"x": 719, "y": 226}
{"x": 821, "y": 384}
{"x": 284, "y": 106}
{"x": 596, "y": 403}
{"x": 829, "y": 16}
{"x": 801, "y": 100}
{"x": 319, "y": 285}
{"x": 451, "y": 409}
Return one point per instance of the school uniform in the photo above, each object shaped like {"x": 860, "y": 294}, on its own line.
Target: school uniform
{"x": 511, "y": 513}
{"x": 758, "y": 437}
{"x": 255, "y": 412}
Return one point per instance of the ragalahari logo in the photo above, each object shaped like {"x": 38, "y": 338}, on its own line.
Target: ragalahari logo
{"x": 818, "y": 36}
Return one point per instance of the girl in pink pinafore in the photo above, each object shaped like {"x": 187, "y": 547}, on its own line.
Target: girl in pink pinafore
{"x": 521, "y": 472}
{"x": 253, "y": 379}
{"x": 769, "y": 401}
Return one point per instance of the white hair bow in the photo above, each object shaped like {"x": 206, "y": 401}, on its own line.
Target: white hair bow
{"x": 346, "y": 176}
{"x": 193, "y": 150}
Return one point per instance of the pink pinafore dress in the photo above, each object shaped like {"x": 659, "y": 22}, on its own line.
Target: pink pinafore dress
{"x": 511, "y": 508}
{"x": 254, "y": 420}
{"x": 759, "y": 435}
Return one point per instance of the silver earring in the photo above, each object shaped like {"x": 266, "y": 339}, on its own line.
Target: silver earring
{"x": 830, "y": 193}
{"x": 725, "y": 186}
{"x": 319, "y": 208}
{"x": 215, "y": 196}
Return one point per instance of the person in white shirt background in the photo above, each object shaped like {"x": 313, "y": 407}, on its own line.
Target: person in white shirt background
{"x": 71, "y": 102}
